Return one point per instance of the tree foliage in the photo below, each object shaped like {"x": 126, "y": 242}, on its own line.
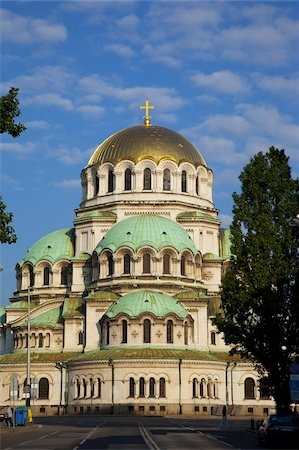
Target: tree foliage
{"x": 7, "y": 233}
{"x": 9, "y": 110}
{"x": 259, "y": 293}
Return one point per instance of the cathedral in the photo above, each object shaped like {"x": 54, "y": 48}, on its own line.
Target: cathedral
{"x": 114, "y": 315}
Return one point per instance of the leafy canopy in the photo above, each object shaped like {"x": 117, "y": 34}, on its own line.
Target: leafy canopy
{"x": 7, "y": 233}
{"x": 9, "y": 109}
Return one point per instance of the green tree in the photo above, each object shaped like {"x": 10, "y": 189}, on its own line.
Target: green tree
{"x": 7, "y": 233}
{"x": 9, "y": 110}
{"x": 259, "y": 293}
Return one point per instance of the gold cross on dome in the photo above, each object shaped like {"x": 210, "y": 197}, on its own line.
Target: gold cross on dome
{"x": 147, "y": 116}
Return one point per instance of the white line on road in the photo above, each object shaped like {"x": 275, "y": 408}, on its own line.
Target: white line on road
{"x": 205, "y": 434}
{"x": 88, "y": 436}
{"x": 54, "y": 432}
{"x": 147, "y": 438}
{"x": 43, "y": 437}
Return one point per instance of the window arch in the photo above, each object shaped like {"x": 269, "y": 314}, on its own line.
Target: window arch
{"x": 107, "y": 333}
{"x": 162, "y": 387}
{"x": 166, "y": 263}
{"x": 147, "y": 331}
{"x": 80, "y": 338}
{"x": 196, "y": 185}
{"x": 169, "y": 328}
{"x": 141, "y": 387}
{"x": 213, "y": 338}
{"x": 78, "y": 388}
{"x": 99, "y": 384}
{"x": 111, "y": 180}
{"x": 64, "y": 275}
{"x": 43, "y": 388}
{"x": 31, "y": 277}
{"x": 183, "y": 266}
{"x": 96, "y": 185}
{"x": 249, "y": 388}
{"x": 166, "y": 180}
{"x": 127, "y": 264}
{"x": 194, "y": 388}
{"x": 202, "y": 387}
{"x": 128, "y": 179}
{"x": 124, "y": 331}
{"x": 146, "y": 263}
{"x": 184, "y": 181}
{"x": 40, "y": 340}
{"x": 152, "y": 387}
{"x": 147, "y": 179}
{"x": 46, "y": 277}
{"x": 110, "y": 264}
{"x": 186, "y": 333}
{"x": 46, "y": 340}
{"x": 84, "y": 383}
{"x": 131, "y": 387}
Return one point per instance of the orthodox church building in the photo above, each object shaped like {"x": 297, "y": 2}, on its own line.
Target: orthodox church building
{"x": 114, "y": 314}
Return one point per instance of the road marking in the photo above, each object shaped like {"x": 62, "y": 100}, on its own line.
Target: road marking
{"x": 147, "y": 438}
{"x": 43, "y": 437}
{"x": 205, "y": 434}
{"x": 54, "y": 432}
{"x": 88, "y": 436}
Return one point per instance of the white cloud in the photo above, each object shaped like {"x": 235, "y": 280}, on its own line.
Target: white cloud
{"x": 67, "y": 184}
{"x": 91, "y": 110}
{"x": 129, "y": 22}
{"x": 37, "y": 124}
{"x": 226, "y": 220}
{"x": 15, "y": 184}
{"x": 72, "y": 156}
{"x": 26, "y": 30}
{"x": 121, "y": 50}
{"x": 17, "y": 147}
{"x": 50, "y": 99}
{"x": 279, "y": 85}
{"x": 223, "y": 81}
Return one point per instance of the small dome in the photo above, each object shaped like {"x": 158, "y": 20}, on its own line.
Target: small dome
{"x": 52, "y": 247}
{"x": 140, "y": 142}
{"x": 152, "y": 230}
{"x": 144, "y": 301}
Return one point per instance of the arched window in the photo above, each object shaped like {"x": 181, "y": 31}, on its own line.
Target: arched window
{"x": 131, "y": 387}
{"x": 146, "y": 263}
{"x": 196, "y": 185}
{"x": 43, "y": 388}
{"x": 128, "y": 180}
{"x": 166, "y": 180}
{"x": 124, "y": 331}
{"x": 78, "y": 388}
{"x": 84, "y": 388}
{"x": 169, "y": 327}
{"x": 91, "y": 382}
{"x": 31, "y": 276}
{"x": 80, "y": 338}
{"x": 183, "y": 266}
{"x": 147, "y": 331}
{"x": 213, "y": 338}
{"x": 110, "y": 180}
{"x": 249, "y": 388}
{"x": 107, "y": 333}
{"x": 194, "y": 388}
{"x": 110, "y": 264}
{"x": 166, "y": 263}
{"x": 209, "y": 387}
{"x": 127, "y": 264}
{"x": 147, "y": 179}
{"x": 184, "y": 181}
{"x": 40, "y": 340}
{"x": 202, "y": 387}
{"x": 162, "y": 387}
{"x": 96, "y": 185}
{"x": 141, "y": 387}
{"x": 64, "y": 275}
{"x": 46, "y": 276}
{"x": 99, "y": 383}
{"x": 26, "y": 340}
{"x": 152, "y": 387}
{"x": 46, "y": 340}
{"x": 186, "y": 333}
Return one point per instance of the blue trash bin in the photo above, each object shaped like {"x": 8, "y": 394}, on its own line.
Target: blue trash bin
{"x": 20, "y": 416}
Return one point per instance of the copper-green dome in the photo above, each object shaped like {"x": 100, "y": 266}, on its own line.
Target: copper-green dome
{"x": 52, "y": 247}
{"x": 142, "y": 142}
{"x": 144, "y": 301}
{"x": 151, "y": 230}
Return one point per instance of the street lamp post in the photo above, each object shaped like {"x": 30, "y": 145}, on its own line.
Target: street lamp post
{"x": 28, "y": 381}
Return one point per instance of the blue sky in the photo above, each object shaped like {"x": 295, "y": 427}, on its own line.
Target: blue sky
{"x": 224, "y": 74}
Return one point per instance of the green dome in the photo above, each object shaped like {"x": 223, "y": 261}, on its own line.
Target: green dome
{"x": 52, "y": 247}
{"x": 152, "y": 230}
{"x": 144, "y": 301}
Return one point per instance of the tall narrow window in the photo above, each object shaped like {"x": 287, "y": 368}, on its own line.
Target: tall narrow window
{"x": 209, "y": 387}
{"x": 84, "y": 383}
{"x": 128, "y": 180}
{"x": 169, "y": 331}
{"x": 110, "y": 180}
{"x": 107, "y": 333}
{"x": 132, "y": 387}
{"x": 152, "y": 387}
{"x": 162, "y": 387}
{"x": 184, "y": 181}
{"x": 127, "y": 264}
{"x": 124, "y": 331}
{"x": 91, "y": 382}
{"x": 186, "y": 333}
{"x": 46, "y": 276}
{"x": 183, "y": 266}
{"x": 147, "y": 331}
{"x": 99, "y": 383}
{"x": 80, "y": 338}
{"x": 146, "y": 263}
{"x": 141, "y": 387}
{"x": 31, "y": 276}
{"x": 166, "y": 180}
{"x": 110, "y": 265}
{"x": 213, "y": 338}
{"x": 96, "y": 185}
{"x": 78, "y": 388}
{"x": 147, "y": 179}
{"x": 249, "y": 386}
{"x": 202, "y": 387}
{"x": 195, "y": 388}
{"x": 166, "y": 264}
{"x": 47, "y": 340}
{"x": 40, "y": 340}
{"x": 43, "y": 388}
{"x": 196, "y": 185}
{"x": 64, "y": 275}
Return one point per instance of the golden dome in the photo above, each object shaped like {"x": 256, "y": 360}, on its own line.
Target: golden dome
{"x": 146, "y": 142}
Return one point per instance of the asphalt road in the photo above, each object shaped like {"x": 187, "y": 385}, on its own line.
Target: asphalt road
{"x": 128, "y": 433}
